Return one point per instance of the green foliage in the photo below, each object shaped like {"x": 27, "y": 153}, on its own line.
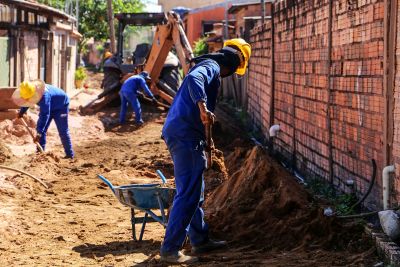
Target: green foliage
{"x": 200, "y": 47}
{"x": 93, "y": 16}
{"x": 341, "y": 202}
{"x": 83, "y": 47}
{"x": 321, "y": 188}
{"x": 80, "y": 74}
{"x": 100, "y": 49}
{"x": 344, "y": 202}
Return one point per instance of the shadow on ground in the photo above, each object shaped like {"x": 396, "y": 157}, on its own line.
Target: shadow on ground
{"x": 110, "y": 118}
{"x": 118, "y": 248}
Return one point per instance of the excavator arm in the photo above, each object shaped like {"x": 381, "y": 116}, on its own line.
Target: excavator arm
{"x": 166, "y": 36}
{"x": 169, "y": 32}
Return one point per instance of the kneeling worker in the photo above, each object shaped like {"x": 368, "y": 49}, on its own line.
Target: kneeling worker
{"x": 184, "y": 134}
{"x": 53, "y": 103}
{"x": 128, "y": 94}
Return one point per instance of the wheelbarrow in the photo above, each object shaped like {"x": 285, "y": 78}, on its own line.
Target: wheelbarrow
{"x": 144, "y": 197}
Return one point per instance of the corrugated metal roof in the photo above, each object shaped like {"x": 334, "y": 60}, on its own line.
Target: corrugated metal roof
{"x": 40, "y": 8}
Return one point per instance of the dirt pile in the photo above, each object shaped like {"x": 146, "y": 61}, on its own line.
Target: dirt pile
{"x": 263, "y": 205}
{"x": 217, "y": 174}
{"x": 5, "y": 153}
{"x": 13, "y": 131}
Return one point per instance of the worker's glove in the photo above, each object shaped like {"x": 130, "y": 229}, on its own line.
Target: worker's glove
{"x": 154, "y": 101}
{"x": 37, "y": 138}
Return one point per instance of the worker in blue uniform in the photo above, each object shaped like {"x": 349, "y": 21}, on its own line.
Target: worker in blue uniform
{"x": 184, "y": 134}
{"x": 54, "y": 105}
{"x": 128, "y": 94}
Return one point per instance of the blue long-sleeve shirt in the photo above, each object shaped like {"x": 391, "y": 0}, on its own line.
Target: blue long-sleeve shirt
{"x": 135, "y": 83}
{"x": 53, "y": 99}
{"x": 201, "y": 84}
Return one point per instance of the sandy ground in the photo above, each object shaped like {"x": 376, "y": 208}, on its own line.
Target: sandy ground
{"x": 78, "y": 221}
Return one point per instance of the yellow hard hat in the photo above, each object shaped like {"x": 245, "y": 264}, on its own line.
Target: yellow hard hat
{"x": 244, "y": 48}
{"x": 27, "y": 90}
{"x": 107, "y": 55}
{"x": 29, "y": 93}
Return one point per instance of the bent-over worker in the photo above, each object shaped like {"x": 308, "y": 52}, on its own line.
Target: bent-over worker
{"x": 128, "y": 94}
{"x": 54, "y": 105}
{"x": 184, "y": 134}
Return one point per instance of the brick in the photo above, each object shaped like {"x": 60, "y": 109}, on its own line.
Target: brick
{"x": 301, "y": 98}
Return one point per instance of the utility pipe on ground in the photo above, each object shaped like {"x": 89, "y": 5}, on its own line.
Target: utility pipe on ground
{"x": 386, "y": 185}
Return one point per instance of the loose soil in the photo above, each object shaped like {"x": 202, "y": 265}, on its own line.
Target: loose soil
{"x": 267, "y": 217}
{"x": 5, "y": 153}
{"x": 263, "y": 204}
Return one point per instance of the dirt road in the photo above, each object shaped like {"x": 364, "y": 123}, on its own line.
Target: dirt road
{"x": 78, "y": 222}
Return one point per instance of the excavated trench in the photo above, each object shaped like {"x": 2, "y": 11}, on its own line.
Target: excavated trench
{"x": 267, "y": 217}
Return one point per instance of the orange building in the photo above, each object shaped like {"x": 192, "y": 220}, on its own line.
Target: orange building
{"x": 199, "y": 21}
{"x": 243, "y": 14}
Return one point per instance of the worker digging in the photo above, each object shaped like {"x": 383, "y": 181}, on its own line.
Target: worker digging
{"x": 184, "y": 132}
{"x": 149, "y": 187}
{"x": 128, "y": 94}
{"x": 54, "y": 105}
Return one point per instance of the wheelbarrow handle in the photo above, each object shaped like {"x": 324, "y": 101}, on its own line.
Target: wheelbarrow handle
{"x": 164, "y": 180}
{"x": 107, "y": 182}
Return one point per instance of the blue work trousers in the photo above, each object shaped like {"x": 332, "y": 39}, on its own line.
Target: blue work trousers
{"x": 129, "y": 98}
{"x": 60, "y": 117}
{"x": 186, "y": 216}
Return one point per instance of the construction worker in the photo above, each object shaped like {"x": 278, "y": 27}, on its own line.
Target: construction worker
{"x": 53, "y": 103}
{"x": 184, "y": 134}
{"x": 107, "y": 55}
{"x": 129, "y": 92}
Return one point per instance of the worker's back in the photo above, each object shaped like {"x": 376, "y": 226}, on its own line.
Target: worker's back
{"x": 201, "y": 83}
{"x": 133, "y": 84}
{"x": 53, "y": 98}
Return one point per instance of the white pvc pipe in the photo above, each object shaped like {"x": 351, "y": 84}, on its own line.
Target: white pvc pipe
{"x": 273, "y": 131}
{"x": 385, "y": 184}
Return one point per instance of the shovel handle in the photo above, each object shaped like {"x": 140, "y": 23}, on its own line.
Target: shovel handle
{"x": 31, "y": 134}
{"x": 208, "y": 127}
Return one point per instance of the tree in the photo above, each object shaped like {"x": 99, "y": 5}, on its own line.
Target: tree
{"x": 200, "y": 47}
{"x": 93, "y": 15}
{"x": 111, "y": 25}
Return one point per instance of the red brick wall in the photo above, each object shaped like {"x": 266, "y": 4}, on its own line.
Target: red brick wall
{"x": 357, "y": 84}
{"x": 259, "y": 81}
{"x": 396, "y": 113}
{"x": 303, "y": 94}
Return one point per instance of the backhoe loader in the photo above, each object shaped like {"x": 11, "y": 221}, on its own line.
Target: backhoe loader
{"x": 157, "y": 59}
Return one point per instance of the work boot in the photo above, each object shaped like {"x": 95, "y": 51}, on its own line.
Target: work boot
{"x": 209, "y": 245}
{"x": 177, "y": 258}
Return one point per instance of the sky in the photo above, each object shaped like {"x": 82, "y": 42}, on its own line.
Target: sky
{"x": 151, "y": 6}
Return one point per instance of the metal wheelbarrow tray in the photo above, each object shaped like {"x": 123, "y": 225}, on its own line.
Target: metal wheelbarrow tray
{"x": 144, "y": 197}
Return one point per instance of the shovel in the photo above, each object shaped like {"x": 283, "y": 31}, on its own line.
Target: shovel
{"x": 208, "y": 127}
{"x": 39, "y": 147}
